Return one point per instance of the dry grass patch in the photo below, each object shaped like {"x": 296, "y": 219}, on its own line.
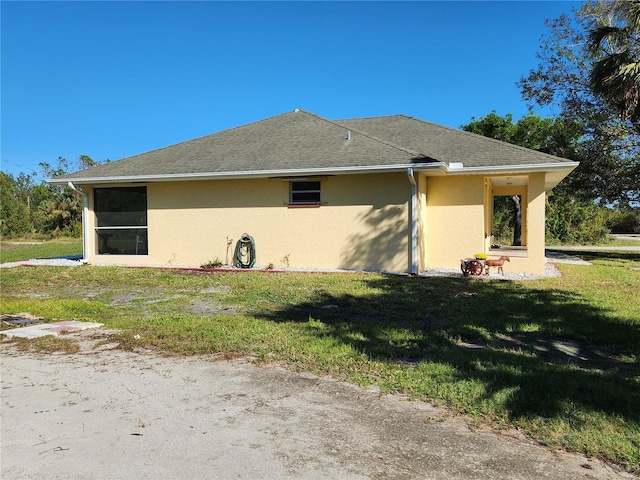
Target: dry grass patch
{"x": 47, "y": 344}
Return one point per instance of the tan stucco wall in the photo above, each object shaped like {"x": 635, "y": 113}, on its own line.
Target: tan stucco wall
{"x": 363, "y": 223}
{"x": 456, "y": 221}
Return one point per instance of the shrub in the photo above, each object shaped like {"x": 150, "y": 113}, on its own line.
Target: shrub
{"x": 570, "y": 221}
{"x": 624, "y": 221}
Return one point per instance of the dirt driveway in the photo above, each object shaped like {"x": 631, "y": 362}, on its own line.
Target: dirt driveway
{"x": 110, "y": 414}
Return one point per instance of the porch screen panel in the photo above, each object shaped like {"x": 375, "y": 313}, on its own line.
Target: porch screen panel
{"x": 121, "y": 220}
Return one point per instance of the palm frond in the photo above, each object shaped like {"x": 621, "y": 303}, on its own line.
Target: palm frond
{"x": 629, "y": 10}
{"x": 616, "y": 75}
{"x": 605, "y": 34}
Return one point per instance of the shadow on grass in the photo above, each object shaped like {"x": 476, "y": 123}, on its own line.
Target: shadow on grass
{"x": 591, "y": 255}
{"x": 548, "y": 348}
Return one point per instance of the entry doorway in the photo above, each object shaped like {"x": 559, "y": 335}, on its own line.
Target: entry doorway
{"x": 506, "y": 200}
{"x": 507, "y": 220}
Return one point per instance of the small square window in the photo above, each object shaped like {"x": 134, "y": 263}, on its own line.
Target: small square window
{"x": 305, "y": 193}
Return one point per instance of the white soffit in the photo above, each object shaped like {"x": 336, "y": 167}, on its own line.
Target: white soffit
{"x": 510, "y": 181}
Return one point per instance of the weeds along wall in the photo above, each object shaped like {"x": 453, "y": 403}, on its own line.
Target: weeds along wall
{"x": 361, "y": 223}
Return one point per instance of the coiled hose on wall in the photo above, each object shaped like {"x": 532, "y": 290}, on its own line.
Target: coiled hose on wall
{"x": 245, "y": 253}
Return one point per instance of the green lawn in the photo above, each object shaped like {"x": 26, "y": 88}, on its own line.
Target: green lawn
{"x": 558, "y": 359}
{"x": 19, "y": 250}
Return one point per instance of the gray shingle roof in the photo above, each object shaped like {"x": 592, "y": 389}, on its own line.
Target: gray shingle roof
{"x": 448, "y": 144}
{"x": 299, "y": 141}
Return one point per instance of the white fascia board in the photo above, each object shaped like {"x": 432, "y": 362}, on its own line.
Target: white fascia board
{"x": 556, "y": 171}
{"x": 248, "y": 174}
{"x": 433, "y": 168}
{"x": 505, "y": 169}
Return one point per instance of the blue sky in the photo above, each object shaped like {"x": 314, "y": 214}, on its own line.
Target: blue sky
{"x": 113, "y": 79}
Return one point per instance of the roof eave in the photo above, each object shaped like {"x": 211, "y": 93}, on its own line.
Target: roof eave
{"x": 556, "y": 171}
{"x": 246, "y": 174}
{"x": 432, "y": 168}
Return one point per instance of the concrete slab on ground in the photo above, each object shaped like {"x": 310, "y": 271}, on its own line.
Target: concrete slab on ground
{"x": 63, "y": 261}
{"x": 44, "y": 329}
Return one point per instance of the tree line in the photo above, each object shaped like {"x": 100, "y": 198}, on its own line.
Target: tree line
{"x": 35, "y": 208}
{"x": 588, "y": 70}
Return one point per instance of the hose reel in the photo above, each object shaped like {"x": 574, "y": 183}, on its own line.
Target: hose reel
{"x": 245, "y": 253}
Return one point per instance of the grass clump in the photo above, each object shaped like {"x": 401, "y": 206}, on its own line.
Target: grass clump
{"x": 47, "y": 344}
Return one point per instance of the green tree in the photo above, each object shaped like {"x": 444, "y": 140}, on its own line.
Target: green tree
{"x": 14, "y": 218}
{"x": 615, "y": 76}
{"x": 571, "y": 221}
{"x": 609, "y": 146}
{"x": 60, "y": 208}
{"x": 556, "y": 136}
{"x": 85, "y": 161}
{"x": 62, "y": 214}
{"x": 49, "y": 171}
{"x": 30, "y": 207}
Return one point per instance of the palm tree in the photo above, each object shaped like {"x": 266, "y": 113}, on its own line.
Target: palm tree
{"x": 616, "y": 76}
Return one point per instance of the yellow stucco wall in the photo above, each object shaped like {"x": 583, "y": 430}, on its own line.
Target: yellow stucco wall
{"x": 362, "y": 224}
{"x": 535, "y": 261}
{"x": 454, "y": 219}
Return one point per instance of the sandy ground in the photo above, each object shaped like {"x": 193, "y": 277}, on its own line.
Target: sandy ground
{"x": 110, "y": 414}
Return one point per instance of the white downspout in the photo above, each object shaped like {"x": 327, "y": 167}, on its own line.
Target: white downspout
{"x": 414, "y": 222}
{"x": 85, "y": 217}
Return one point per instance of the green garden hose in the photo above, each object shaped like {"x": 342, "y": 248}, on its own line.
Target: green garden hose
{"x": 245, "y": 254}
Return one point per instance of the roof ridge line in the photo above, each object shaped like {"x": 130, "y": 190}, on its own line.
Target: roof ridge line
{"x": 374, "y": 116}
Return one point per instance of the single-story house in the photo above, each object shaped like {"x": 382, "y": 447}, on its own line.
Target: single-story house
{"x": 390, "y": 193}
